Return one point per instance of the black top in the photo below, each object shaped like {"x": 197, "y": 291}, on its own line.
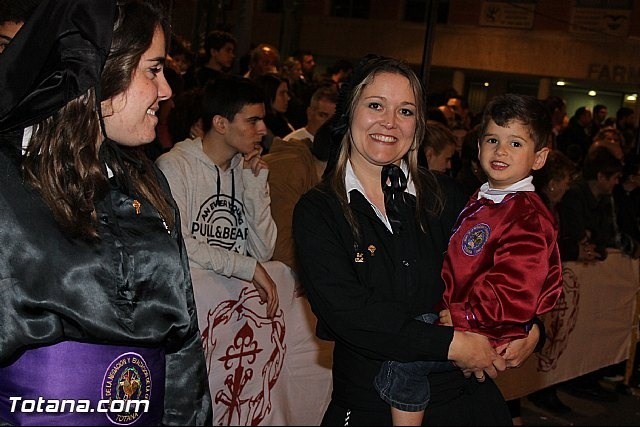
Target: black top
{"x": 278, "y": 124}
{"x": 574, "y": 141}
{"x": 628, "y": 211}
{"x": 366, "y": 293}
{"x": 132, "y": 288}
{"x": 205, "y": 75}
{"x": 580, "y": 213}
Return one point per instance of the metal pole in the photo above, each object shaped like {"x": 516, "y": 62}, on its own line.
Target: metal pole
{"x": 243, "y": 30}
{"x": 197, "y": 22}
{"x": 431, "y": 18}
{"x": 210, "y": 22}
{"x": 290, "y": 27}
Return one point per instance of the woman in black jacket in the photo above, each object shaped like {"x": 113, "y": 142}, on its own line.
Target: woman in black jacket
{"x": 370, "y": 241}
{"x": 97, "y": 301}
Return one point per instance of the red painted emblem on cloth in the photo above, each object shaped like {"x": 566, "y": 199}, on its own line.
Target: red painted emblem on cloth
{"x": 245, "y": 352}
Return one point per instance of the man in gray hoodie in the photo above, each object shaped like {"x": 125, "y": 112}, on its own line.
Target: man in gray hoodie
{"x": 219, "y": 182}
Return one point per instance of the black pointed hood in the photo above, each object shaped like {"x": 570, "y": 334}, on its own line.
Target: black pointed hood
{"x": 57, "y": 56}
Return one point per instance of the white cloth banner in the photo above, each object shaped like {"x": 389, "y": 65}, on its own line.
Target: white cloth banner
{"x": 590, "y": 328}
{"x": 261, "y": 371}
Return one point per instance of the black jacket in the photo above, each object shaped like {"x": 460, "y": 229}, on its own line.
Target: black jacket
{"x": 133, "y": 288}
{"x": 366, "y": 292}
{"x": 581, "y": 213}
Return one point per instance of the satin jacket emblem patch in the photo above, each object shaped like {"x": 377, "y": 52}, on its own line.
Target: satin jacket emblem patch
{"x": 126, "y": 378}
{"x": 359, "y": 257}
{"x": 474, "y": 239}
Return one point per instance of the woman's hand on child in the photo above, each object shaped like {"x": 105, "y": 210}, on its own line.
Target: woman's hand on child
{"x": 473, "y": 353}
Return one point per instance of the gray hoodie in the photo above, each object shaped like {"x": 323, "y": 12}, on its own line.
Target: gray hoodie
{"x": 226, "y": 215}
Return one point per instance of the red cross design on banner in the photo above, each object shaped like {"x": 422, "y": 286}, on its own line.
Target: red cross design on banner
{"x": 247, "y": 348}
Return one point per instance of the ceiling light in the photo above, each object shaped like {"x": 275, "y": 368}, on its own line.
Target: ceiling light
{"x": 560, "y": 83}
{"x": 592, "y": 93}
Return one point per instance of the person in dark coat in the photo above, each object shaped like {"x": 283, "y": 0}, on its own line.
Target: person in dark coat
{"x": 370, "y": 240}
{"x": 97, "y": 299}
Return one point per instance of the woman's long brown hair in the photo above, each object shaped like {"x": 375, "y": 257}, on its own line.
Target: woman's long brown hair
{"x": 62, "y": 160}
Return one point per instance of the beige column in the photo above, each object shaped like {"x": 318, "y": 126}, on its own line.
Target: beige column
{"x": 457, "y": 81}
{"x": 544, "y": 88}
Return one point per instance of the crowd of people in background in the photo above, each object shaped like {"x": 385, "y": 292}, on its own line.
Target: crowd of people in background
{"x": 591, "y": 184}
{"x": 604, "y": 203}
{"x": 298, "y": 99}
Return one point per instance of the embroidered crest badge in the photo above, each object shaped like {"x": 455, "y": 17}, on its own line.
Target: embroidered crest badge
{"x": 126, "y": 378}
{"x": 474, "y": 239}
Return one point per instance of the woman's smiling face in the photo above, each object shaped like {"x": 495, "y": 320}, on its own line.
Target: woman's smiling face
{"x": 384, "y": 120}
{"x": 130, "y": 117}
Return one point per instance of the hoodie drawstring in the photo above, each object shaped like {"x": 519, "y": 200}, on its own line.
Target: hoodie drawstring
{"x": 218, "y": 186}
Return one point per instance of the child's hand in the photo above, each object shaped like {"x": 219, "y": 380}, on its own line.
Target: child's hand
{"x": 517, "y": 352}
{"x": 445, "y": 317}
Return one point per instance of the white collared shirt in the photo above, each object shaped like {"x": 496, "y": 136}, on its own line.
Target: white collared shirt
{"x": 351, "y": 182}
{"x": 497, "y": 195}
{"x": 301, "y": 133}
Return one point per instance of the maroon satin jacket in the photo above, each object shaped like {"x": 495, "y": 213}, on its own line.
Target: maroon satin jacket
{"x": 502, "y": 266}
